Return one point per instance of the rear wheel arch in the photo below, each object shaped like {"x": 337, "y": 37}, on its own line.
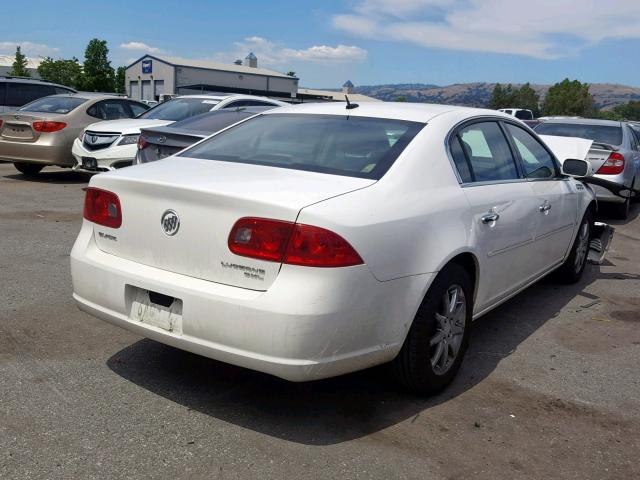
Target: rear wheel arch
{"x": 469, "y": 262}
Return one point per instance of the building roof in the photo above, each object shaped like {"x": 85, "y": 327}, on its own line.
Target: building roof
{"x": 348, "y": 83}
{"x": 228, "y": 67}
{"x": 336, "y": 96}
{"x": 251, "y": 56}
{"x": 7, "y": 61}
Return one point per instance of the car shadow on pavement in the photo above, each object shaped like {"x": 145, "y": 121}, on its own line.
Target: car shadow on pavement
{"x": 336, "y": 410}
{"x": 605, "y": 214}
{"x": 61, "y": 176}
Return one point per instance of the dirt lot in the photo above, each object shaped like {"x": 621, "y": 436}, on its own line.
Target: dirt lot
{"x": 549, "y": 389}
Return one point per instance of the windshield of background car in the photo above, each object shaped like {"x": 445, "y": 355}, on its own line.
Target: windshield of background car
{"x": 61, "y": 105}
{"x": 342, "y": 145}
{"x": 212, "y": 121}
{"x": 609, "y": 134}
{"x": 179, "y": 109}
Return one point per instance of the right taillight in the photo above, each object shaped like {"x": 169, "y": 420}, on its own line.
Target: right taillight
{"x": 102, "y": 207}
{"x": 613, "y": 166}
{"x": 291, "y": 243}
{"x": 142, "y": 143}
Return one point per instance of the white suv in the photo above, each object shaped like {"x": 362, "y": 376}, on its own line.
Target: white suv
{"x": 112, "y": 144}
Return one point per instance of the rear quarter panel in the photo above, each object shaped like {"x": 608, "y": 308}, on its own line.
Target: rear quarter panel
{"x": 410, "y": 222}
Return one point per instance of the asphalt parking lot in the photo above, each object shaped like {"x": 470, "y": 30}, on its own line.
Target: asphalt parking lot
{"x": 550, "y": 387}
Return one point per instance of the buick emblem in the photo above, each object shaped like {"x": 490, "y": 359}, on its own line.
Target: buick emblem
{"x": 94, "y": 139}
{"x": 170, "y": 222}
{"x": 162, "y": 139}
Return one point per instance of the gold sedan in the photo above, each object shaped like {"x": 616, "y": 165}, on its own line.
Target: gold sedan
{"x": 42, "y": 132}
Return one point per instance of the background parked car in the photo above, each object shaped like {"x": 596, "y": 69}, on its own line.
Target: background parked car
{"x": 160, "y": 142}
{"x": 521, "y": 113}
{"x": 41, "y": 133}
{"x": 115, "y": 144}
{"x": 16, "y": 92}
{"x": 614, "y": 155}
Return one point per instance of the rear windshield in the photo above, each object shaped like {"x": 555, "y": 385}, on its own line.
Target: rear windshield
{"x": 53, "y": 105}
{"x": 611, "y": 135}
{"x": 342, "y": 145}
{"x": 524, "y": 114}
{"x": 179, "y": 109}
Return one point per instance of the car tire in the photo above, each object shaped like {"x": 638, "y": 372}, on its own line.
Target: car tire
{"x": 621, "y": 210}
{"x": 28, "y": 168}
{"x": 418, "y": 367}
{"x": 573, "y": 267}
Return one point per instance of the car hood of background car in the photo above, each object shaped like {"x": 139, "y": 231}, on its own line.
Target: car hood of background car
{"x": 127, "y": 126}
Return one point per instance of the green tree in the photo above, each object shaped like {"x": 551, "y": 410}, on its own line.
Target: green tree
{"x": 120, "y": 87}
{"x": 19, "y": 67}
{"x": 627, "y": 111}
{"x": 400, "y": 98}
{"x": 569, "y": 98}
{"x": 98, "y": 73}
{"x": 64, "y": 72}
{"x": 499, "y": 98}
{"x": 291, "y": 73}
{"x": 526, "y": 97}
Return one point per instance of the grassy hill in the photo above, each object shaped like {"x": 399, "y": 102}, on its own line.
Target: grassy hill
{"x": 606, "y": 95}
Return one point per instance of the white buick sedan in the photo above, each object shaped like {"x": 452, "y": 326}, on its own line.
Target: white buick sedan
{"x": 319, "y": 239}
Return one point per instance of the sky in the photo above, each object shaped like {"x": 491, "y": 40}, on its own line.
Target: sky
{"x": 369, "y": 42}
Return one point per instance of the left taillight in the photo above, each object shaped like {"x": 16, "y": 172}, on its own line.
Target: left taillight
{"x": 48, "y": 127}
{"x": 291, "y": 243}
{"x": 613, "y": 166}
{"x": 102, "y": 207}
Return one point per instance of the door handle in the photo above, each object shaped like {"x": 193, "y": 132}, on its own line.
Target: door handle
{"x": 490, "y": 217}
{"x": 545, "y": 207}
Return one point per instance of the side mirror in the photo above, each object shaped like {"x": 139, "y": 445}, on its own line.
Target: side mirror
{"x": 577, "y": 168}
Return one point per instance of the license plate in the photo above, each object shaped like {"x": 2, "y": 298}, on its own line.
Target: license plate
{"x": 89, "y": 163}
{"x": 166, "y": 317}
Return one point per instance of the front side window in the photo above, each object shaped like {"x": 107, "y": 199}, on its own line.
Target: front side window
{"x": 487, "y": 152}
{"x": 336, "y": 144}
{"x": 537, "y": 162}
{"x": 179, "y": 109}
{"x": 53, "y": 105}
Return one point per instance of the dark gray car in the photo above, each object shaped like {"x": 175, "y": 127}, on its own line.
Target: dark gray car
{"x": 160, "y": 142}
{"x": 17, "y": 91}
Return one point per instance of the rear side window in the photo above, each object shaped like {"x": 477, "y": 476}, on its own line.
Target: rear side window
{"x": 460, "y": 159}
{"x": 609, "y": 134}
{"x": 337, "y": 144}
{"x": 53, "y": 105}
{"x": 19, "y": 94}
{"x": 537, "y": 162}
{"x": 487, "y": 152}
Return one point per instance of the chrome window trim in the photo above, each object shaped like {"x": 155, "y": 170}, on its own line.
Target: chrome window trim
{"x": 500, "y": 119}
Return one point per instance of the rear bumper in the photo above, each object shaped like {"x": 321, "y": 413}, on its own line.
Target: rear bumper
{"x": 107, "y": 159}
{"x": 310, "y": 324}
{"x": 604, "y": 195}
{"x": 40, "y": 152}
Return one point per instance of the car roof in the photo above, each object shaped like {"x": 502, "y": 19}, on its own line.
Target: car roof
{"x": 220, "y": 97}
{"x": 584, "y": 121}
{"x": 92, "y": 96}
{"x": 35, "y": 81}
{"x": 415, "y": 112}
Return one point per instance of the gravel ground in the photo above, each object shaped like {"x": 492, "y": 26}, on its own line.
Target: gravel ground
{"x": 549, "y": 388}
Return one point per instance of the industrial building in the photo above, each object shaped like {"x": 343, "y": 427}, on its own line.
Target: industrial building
{"x": 153, "y": 75}
{"x": 6, "y": 65}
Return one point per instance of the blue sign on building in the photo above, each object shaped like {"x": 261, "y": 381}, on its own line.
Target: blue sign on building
{"x": 147, "y": 66}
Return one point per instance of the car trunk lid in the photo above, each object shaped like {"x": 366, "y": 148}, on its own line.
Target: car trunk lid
{"x": 18, "y": 127}
{"x": 208, "y": 197}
